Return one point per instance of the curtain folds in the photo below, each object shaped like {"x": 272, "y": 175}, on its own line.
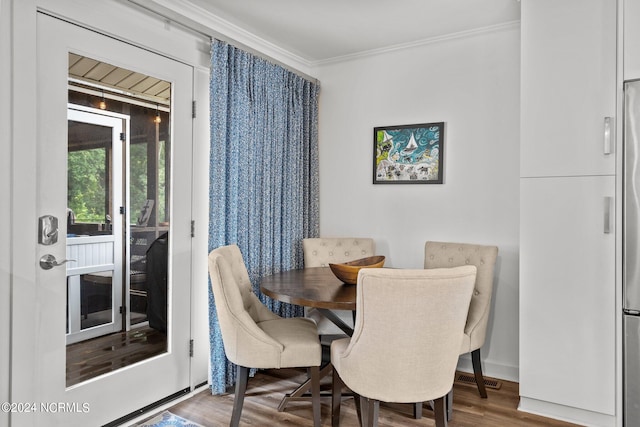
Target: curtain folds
{"x": 263, "y": 174}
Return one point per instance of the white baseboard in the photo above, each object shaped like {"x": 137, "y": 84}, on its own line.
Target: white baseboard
{"x": 566, "y": 413}
{"x": 490, "y": 369}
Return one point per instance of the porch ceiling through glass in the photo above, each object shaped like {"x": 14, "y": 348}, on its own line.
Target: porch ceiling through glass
{"x": 129, "y": 82}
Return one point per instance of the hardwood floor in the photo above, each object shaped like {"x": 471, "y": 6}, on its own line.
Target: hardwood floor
{"x": 267, "y": 388}
{"x": 97, "y": 356}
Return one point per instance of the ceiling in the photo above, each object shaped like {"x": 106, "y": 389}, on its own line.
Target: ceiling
{"x": 107, "y": 76}
{"x": 320, "y": 30}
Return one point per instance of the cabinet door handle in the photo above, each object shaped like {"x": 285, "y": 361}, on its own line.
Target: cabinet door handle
{"x": 608, "y": 203}
{"x": 607, "y": 135}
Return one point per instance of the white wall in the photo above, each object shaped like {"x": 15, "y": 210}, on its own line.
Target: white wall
{"x": 471, "y": 83}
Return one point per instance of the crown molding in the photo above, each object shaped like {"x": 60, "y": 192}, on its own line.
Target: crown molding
{"x": 203, "y": 21}
{"x": 431, "y": 40}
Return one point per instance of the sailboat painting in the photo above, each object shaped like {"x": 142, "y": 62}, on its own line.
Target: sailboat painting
{"x": 408, "y": 154}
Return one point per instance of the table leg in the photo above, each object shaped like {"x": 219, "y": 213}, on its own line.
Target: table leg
{"x": 336, "y": 320}
{"x": 300, "y": 392}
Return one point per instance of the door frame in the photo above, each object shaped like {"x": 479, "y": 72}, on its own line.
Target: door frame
{"x": 120, "y": 268}
{"x": 166, "y": 374}
{"x": 124, "y": 22}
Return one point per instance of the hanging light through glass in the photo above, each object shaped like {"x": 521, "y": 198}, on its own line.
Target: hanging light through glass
{"x": 103, "y": 104}
{"x": 157, "y": 119}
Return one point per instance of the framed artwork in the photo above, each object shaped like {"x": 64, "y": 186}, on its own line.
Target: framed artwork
{"x": 408, "y": 154}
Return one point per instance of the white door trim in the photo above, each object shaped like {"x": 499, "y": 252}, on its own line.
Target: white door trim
{"x": 108, "y": 397}
{"x": 123, "y": 21}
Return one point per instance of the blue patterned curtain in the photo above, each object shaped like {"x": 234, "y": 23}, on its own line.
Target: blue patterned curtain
{"x": 263, "y": 174}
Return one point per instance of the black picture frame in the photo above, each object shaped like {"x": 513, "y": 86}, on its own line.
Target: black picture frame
{"x": 408, "y": 154}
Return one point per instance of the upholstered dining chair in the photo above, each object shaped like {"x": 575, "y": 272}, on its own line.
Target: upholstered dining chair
{"x": 447, "y": 254}
{"x": 253, "y": 336}
{"x": 320, "y": 252}
{"x": 406, "y": 341}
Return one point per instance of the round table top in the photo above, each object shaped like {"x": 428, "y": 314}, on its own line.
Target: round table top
{"x": 312, "y": 287}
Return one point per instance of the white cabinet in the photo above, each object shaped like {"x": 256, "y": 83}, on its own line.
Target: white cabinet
{"x": 631, "y": 39}
{"x": 567, "y": 218}
{"x": 567, "y": 292}
{"x": 568, "y": 86}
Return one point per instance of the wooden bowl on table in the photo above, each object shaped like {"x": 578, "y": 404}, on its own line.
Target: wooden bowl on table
{"x": 348, "y": 271}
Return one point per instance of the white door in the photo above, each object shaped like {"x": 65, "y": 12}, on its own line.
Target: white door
{"x": 97, "y": 258}
{"x": 108, "y": 397}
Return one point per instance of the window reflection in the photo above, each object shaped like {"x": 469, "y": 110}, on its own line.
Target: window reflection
{"x": 88, "y": 166}
{"x": 140, "y": 262}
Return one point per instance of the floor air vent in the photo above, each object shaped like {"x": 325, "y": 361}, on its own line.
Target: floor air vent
{"x": 471, "y": 380}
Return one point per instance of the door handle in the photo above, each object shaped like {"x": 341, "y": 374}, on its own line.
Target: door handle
{"x": 48, "y": 261}
{"x": 607, "y": 137}
{"x": 608, "y": 218}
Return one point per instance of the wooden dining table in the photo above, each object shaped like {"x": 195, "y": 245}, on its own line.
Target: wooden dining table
{"x": 311, "y": 287}
{"x": 318, "y": 287}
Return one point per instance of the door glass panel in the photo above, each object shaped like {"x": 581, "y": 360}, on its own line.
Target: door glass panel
{"x": 94, "y": 292}
{"x": 141, "y": 219}
{"x": 96, "y": 300}
{"x": 88, "y": 169}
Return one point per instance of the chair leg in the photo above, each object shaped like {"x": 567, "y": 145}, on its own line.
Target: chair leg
{"x": 477, "y": 370}
{"x": 370, "y": 411}
{"x": 242, "y": 377}
{"x": 358, "y": 403}
{"x": 314, "y": 373}
{"x": 417, "y": 410}
{"x": 448, "y": 405}
{"x": 440, "y": 411}
{"x": 364, "y": 410}
{"x": 336, "y": 398}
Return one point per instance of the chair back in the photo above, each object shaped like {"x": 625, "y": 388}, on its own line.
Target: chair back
{"x": 240, "y": 311}
{"x": 320, "y": 251}
{"x": 446, "y": 255}
{"x": 409, "y": 326}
